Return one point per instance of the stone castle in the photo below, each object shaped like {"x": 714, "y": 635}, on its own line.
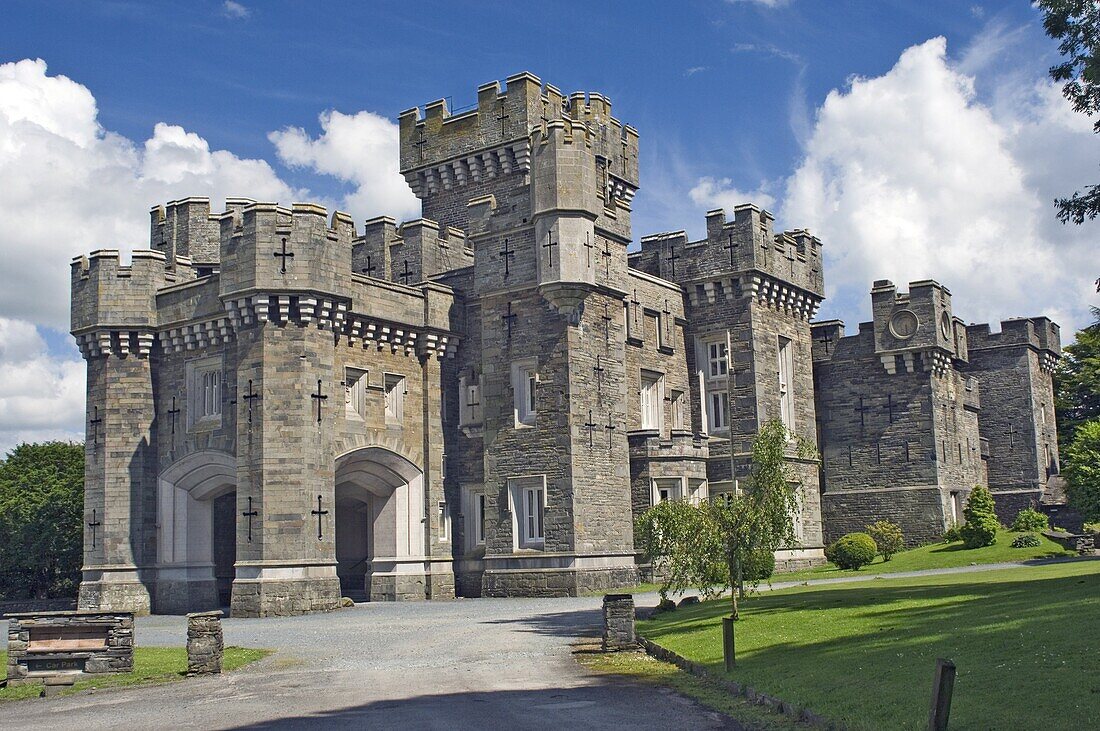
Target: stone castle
{"x": 283, "y": 409}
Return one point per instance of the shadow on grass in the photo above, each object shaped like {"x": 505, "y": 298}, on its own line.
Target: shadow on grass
{"x": 864, "y": 654}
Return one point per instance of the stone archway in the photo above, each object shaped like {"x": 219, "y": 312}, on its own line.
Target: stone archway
{"x": 192, "y": 535}
{"x": 380, "y": 525}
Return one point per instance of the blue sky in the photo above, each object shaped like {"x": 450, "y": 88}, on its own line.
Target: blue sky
{"x": 917, "y": 139}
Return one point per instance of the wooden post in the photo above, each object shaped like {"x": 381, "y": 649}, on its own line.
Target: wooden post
{"x": 942, "y": 686}
{"x": 728, "y": 643}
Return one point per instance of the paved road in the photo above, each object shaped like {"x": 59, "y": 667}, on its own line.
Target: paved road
{"x": 474, "y": 663}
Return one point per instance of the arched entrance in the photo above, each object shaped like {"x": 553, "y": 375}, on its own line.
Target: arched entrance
{"x": 380, "y": 525}
{"x": 196, "y": 533}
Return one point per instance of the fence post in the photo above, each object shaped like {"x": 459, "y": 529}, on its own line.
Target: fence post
{"x": 942, "y": 686}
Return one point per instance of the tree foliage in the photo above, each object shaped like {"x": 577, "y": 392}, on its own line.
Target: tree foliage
{"x": 41, "y": 520}
{"x": 853, "y": 551}
{"x": 1082, "y": 471}
{"x": 1076, "y": 25}
{"x": 707, "y": 545}
{"x": 888, "y": 537}
{"x": 980, "y": 528}
{"x": 1077, "y": 382}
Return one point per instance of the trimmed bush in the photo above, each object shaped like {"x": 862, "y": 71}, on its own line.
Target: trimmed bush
{"x": 1026, "y": 540}
{"x": 980, "y": 528}
{"x": 1029, "y": 520}
{"x": 888, "y": 537}
{"x": 952, "y": 534}
{"x": 759, "y": 566}
{"x": 853, "y": 551}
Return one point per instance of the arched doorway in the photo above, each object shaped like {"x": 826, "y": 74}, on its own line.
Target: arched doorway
{"x": 379, "y": 525}
{"x": 196, "y": 533}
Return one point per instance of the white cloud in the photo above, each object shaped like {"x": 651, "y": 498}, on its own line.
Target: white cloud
{"x": 235, "y": 10}
{"x": 909, "y": 176}
{"x": 764, "y": 3}
{"x": 41, "y": 397}
{"x": 713, "y": 193}
{"x": 360, "y": 149}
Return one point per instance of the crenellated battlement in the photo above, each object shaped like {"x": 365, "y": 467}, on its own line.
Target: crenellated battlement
{"x": 918, "y": 320}
{"x": 1039, "y": 333}
{"x": 186, "y": 232}
{"x": 747, "y": 243}
{"x": 111, "y": 297}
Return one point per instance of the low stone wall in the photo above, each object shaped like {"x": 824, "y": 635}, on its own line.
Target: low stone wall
{"x": 796, "y": 713}
{"x": 26, "y": 606}
{"x": 45, "y": 644}
{"x": 555, "y": 582}
{"x": 204, "y": 643}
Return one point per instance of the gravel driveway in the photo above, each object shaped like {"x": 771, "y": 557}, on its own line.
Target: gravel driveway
{"x": 470, "y": 663}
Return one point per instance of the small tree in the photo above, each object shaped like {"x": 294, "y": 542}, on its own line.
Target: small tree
{"x": 888, "y": 537}
{"x": 1082, "y": 471}
{"x": 980, "y": 528}
{"x": 41, "y": 504}
{"x": 1029, "y": 520}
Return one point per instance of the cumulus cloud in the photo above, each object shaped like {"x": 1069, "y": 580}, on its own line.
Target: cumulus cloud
{"x": 713, "y": 193}
{"x": 41, "y": 397}
{"x": 361, "y": 150}
{"x": 909, "y": 176}
{"x": 235, "y": 10}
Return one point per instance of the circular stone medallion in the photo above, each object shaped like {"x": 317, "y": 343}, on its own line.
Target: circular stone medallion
{"x": 903, "y": 325}
{"x": 945, "y": 326}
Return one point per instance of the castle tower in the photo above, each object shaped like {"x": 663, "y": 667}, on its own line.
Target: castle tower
{"x": 751, "y": 294}
{"x": 1015, "y": 368}
{"x": 542, "y": 185}
{"x": 114, "y": 319}
{"x": 898, "y": 418}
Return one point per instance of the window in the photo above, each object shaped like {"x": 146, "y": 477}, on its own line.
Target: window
{"x": 469, "y": 408}
{"x": 678, "y": 419}
{"x": 204, "y": 392}
{"x": 395, "y": 397}
{"x": 652, "y": 396}
{"x": 786, "y": 391}
{"x": 666, "y": 489}
{"x": 716, "y": 360}
{"x": 528, "y": 497}
{"x": 718, "y": 411}
{"x": 653, "y": 323}
{"x": 479, "y": 519}
{"x": 355, "y": 387}
{"x": 697, "y": 490}
{"x": 525, "y": 381}
{"x": 443, "y": 524}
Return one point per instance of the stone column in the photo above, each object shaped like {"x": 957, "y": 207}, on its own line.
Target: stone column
{"x": 204, "y": 643}
{"x": 618, "y": 622}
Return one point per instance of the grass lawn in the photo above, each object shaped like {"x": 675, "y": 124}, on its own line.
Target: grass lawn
{"x": 641, "y": 668}
{"x": 939, "y": 556}
{"x": 1024, "y": 640}
{"x": 151, "y": 665}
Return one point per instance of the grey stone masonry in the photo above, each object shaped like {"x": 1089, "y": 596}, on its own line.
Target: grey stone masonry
{"x": 898, "y": 417}
{"x": 204, "y": 643}
{"x": 618, "y": 622}
{"x": 45, "y": 644}
{"x": 283, "y": 410}
{"x": 1015, "y": 369}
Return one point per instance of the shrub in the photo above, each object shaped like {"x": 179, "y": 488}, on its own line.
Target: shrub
{"x": 980, "y": 528}
{"x": 1026, "y": 540}
{"x": 1082, "y": 471}
{"x": 853, "y": 551}
{"x": 1029, "y": 520}
{"x": 759, "y": 565}
{"x": 952, "y": 534}
{"x": 888, "y": 537}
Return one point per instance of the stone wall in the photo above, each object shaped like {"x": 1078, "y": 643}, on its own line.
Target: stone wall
{"x": 50, "y": 643}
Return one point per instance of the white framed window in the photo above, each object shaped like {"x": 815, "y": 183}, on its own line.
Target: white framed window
{"x": 528, "y": 497}
{"x": 666, "y": 489}
{"x": 355, "y": 388}
{"x": 395, "y": 397}
{"x": 469, "y": 406}
{"x": 717, "y": 360}
{"x": 652, "y": 399}
{"x": 443, "y": 522}
{"x": 679, "y": 420}
{"x": 525, "y": 380}
{"x": 204, "y": 392}
{"x": 786, "y": 385}
{"x": 479, "y": 518}
{"x": 718, "y": 410}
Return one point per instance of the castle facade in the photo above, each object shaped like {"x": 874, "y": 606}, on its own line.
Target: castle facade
{"x": 284, "y": 409}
